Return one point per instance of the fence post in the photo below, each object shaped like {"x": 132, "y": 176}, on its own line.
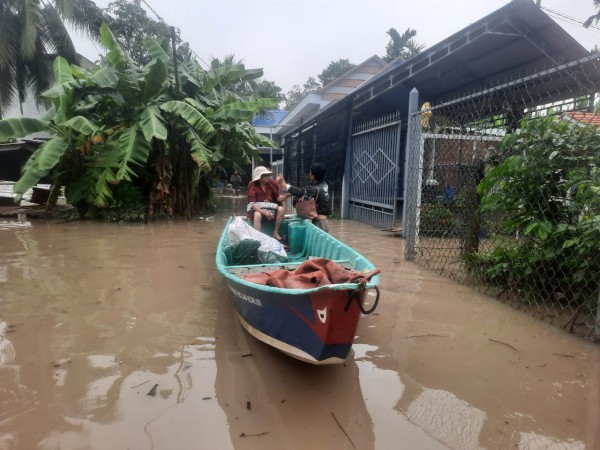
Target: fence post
{"x": 597, "y": 328}
{"x": 411, "y": 183}
{"x": 345, "y": 203}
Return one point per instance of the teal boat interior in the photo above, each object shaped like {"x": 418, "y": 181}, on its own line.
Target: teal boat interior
{"x": 305, "y": 240}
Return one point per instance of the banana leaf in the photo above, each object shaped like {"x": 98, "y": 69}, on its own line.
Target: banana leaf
{"x": 133, "y": 150}
{"x": 199, "y": 152}
{"x": 63, "y": 79}
{"x": 151, "y": 124}
{"x": 154, "y": 80}
{"x": 157, "y": 50}
{"x": 20, "y": 127}
{"x": 191, "y": 115}
{"x": 104, "y": 77}
{"x": 114, "y": 161}
{"x": 244, "y": 110}
{"x": 81, "y": 125}
{"x": 114, "y": 54}
{"x": 62, "y": 71}
{"x": 40, "y": 163}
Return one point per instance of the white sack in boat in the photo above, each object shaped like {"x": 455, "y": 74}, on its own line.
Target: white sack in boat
{"x": 270, "y": 251}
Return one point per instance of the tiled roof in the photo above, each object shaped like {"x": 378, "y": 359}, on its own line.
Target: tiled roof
{"x": 585, "y": 118}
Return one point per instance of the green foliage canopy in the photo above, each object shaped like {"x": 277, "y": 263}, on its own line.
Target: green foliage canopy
{"x": 109, "y": 125}
{"x": 131, "y": 26}
{"x": 334, "y": 70}
{"x": 547, "y": 190}
{"x": 32, "y": 33}
{"x": 403, "y": 45}
{"x": 297, "y": 93}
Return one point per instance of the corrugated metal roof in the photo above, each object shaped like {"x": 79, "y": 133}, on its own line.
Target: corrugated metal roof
{"x": 516, "y": 40}
{"x": 513, "y": 42}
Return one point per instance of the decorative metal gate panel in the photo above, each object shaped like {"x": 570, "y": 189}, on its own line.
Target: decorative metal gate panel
{"x": 374, "y": 171}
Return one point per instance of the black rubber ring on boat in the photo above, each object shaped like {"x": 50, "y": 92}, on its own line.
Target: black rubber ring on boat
{"x": 374, "y": 304}
{"x": 355, "y": 295}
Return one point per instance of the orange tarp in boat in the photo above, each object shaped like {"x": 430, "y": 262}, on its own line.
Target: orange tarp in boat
{"x": 311, "y": 273}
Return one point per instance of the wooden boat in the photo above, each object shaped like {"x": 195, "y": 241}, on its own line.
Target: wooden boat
{"x": 316, "y": 325}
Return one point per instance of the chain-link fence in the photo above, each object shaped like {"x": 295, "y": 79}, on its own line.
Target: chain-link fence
{"x": 503, "y": 192}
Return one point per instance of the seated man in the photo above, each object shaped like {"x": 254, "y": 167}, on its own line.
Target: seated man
{"x": 263, "y": 193}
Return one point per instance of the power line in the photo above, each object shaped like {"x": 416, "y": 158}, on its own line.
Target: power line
{"x": 155, "y": 13}
{"x": 566, "y": 18}
{"x": 163, "y": 21}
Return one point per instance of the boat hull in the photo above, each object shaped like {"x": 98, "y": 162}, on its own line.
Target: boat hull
{"x": 316, "y": 324}
{"x": 317, "y": 327}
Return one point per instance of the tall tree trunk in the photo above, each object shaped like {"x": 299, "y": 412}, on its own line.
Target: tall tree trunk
{"x": 473, "y": 176}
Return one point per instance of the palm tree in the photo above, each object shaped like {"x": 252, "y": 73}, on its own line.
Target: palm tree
{"x": 402, "y": 45}
{"x": 32, "y": 33}
{"x": 596, "y": 17}
{"x": 243, "y": 87}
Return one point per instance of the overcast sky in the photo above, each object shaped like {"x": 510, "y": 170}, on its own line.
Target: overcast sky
{"x": 294, "y": 39}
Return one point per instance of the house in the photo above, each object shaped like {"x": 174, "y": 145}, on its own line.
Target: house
{"x": 275, "y": 124}
{"x": 316, "y": 101}
{"x": 583, "y": 118}
{"x": 265, "y": 123}
{"x": 511, "y": 60}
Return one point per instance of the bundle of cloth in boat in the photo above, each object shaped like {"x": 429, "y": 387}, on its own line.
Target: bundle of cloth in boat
{"x": 267, "y": 206}
{"x": 312, "y": 273}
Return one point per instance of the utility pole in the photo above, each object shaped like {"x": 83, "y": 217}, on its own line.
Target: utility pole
{"x": 176, "y": 69}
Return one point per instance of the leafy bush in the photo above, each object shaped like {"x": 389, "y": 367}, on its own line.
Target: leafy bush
{"x": 127, "y": 205}
{"x": 435, "y": 220}
{"x": 548, "y": 192}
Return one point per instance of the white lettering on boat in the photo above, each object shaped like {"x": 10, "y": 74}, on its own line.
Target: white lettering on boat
{"x": 245, "y": 297}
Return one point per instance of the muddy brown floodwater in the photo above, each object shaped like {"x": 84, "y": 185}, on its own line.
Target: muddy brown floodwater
{"x": 94, "y": 317}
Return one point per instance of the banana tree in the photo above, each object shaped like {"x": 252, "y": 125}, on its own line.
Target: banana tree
{"x": 120, "y": 122}
{"x": 213, "y": 94}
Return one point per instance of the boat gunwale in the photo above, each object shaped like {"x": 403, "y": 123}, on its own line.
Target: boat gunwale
{"x": 372, "y": 284}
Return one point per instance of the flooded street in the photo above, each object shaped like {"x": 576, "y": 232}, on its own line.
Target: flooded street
{"x": 124, "y": 337}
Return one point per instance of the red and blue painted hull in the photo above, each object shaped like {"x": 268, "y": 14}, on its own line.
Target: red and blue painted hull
{"x": 316, "y": 325}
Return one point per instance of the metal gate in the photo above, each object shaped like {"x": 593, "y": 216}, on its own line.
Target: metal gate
{"x": 374, "y": 169}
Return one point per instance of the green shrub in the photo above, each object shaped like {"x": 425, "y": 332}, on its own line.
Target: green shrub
{"x": 436, "y": 220}
{"x": 127, "y": 204}
{"x": 547, "y": 192}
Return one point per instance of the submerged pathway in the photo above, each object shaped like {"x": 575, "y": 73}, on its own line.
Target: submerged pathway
{"x": 123, "y": 336}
